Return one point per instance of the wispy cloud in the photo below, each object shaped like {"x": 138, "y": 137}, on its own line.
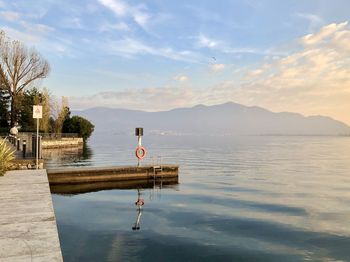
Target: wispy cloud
{"x": 217, "y": 67}
{"x": 10, "y": 16}
{"x": 118, "y": 7}
{"x": 204, "y": 41}
{"x": 220, "y": 45}
{"x": 138, "y": 13}
{"x": 314, "y": 20}
{"x": 25, "y": 37}
{"x": 312, "y": 80}
{"x": 315, "y": 79}
{"x": 36, "y": 28}
{"x": 150, "y": 99}
{"x": 121, "y": 26}
{"x": 129, "y": 47}
{"x": 72, "y": 23}
{"x": 323, "y": 34}
{"x": 181, "y": 78}
{"x": 42, "y": 37}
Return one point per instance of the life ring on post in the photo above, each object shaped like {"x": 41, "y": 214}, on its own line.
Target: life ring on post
{"x": 140, "y": 152}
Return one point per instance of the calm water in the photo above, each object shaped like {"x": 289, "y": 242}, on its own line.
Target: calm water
{"x": 239, "y": 199}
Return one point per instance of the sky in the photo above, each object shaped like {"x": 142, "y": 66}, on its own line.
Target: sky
{"x": 289, "y": 55}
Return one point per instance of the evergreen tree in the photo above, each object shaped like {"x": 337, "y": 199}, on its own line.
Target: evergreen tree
{"x": 25, "y": 113}
{"x": 4, "y": 110}
{"x": 79, "y": 125}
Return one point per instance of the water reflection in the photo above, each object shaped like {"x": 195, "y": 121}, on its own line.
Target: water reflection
{"x": 74, "y": 189}
{"x": 244, "y": 199}
{"x": 77, "y": 155}
{"x": 139, "y": 203}
{"x": 87, "y": 151}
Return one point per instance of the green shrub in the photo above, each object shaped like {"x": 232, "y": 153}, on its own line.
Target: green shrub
{"x": 79, "y": 125}
{"x": 6, "y": 155}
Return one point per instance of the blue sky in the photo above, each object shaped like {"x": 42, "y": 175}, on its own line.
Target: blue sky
{"x": 158, "y": 55}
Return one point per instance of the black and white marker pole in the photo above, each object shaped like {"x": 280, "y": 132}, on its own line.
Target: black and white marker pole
{"x": 37, "y": 113}
{"x": 140, "y": 150}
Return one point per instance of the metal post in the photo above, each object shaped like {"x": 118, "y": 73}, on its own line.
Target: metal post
{"x": 139, "y": 143}
{"x": 37, "y": 143}
{"x": 139, "y": 134}
{"x": 18, "y": 142}
{"x": 37, "y": 113}
{"x": 24, "y": 148}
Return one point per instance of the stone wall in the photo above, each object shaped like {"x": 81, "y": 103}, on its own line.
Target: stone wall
{"x": 22, "y": 164}
{"x": 47, "y": 142}
{"x": 61, "y": 143}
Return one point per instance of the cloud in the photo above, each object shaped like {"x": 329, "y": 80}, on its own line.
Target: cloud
{"x": 122, "y": 9}
{"x": 42, "y": 37}
{"x": 37, "y": 28}
{"x": 141, "y": 18}
{"x": 314, "y": 20}
{"x": 181, "y": 78}
{"x": 71, "y": 23}
{"x": 323, "y": 34}
{"x": 25, "y": 37}
{"x": 29, "y": 33}
{"x": 254, "y": 73}
{"x": 118, "y": 7}
{"x": 204, "y": 41}
{"x": 10, "y": 16}
{"x": 313, "y": 80}
{"x": 217, "y": 67}
{"x": 311, "y": 17}
{"x": 129, "y": 47}
{"x": 121, "y": 26}
{"x": 149, "y": 99}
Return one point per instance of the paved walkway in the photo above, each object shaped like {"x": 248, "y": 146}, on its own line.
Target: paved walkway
{"x": 28, "y": 230}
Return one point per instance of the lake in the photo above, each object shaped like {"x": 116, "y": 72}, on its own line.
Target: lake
{"x": 239, "y": 198}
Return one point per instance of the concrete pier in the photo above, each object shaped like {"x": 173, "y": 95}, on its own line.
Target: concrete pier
{"x": 28, "y": 230}
{"x": 109, "y": 174}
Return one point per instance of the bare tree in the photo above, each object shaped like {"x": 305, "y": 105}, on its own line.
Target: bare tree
{"x": 46, "y": 103}
{"x": 59, "y": 113}
{"x": 20, "y": 67}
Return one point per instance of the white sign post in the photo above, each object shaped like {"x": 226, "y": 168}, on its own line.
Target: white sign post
{"x": 37, "y": 113}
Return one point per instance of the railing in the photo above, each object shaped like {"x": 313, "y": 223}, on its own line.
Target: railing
{"x": 54, "y": 136}
{"x": 46, "y": 135}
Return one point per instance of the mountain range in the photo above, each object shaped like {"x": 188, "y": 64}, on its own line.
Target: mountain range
{"x": 224, "y": 119}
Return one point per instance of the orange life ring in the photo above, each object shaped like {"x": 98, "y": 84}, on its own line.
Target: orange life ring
{"x": 140, "y": 152}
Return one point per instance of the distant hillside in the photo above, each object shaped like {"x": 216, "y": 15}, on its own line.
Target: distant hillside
{"x": 225, "y": 119}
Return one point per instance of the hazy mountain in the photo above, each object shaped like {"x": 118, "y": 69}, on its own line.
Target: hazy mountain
{"x": 228, "y": 118}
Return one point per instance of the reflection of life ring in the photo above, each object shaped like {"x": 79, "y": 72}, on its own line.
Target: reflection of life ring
{"x": 140, "y": 152}
{"x": 140, "y": 202}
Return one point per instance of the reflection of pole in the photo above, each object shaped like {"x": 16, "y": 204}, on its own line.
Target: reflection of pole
{"x": 137, "y": 223}
{"x": 140, "y": 202}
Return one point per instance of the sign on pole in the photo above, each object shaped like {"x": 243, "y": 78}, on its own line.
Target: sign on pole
{"x": 37, "y": 111}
